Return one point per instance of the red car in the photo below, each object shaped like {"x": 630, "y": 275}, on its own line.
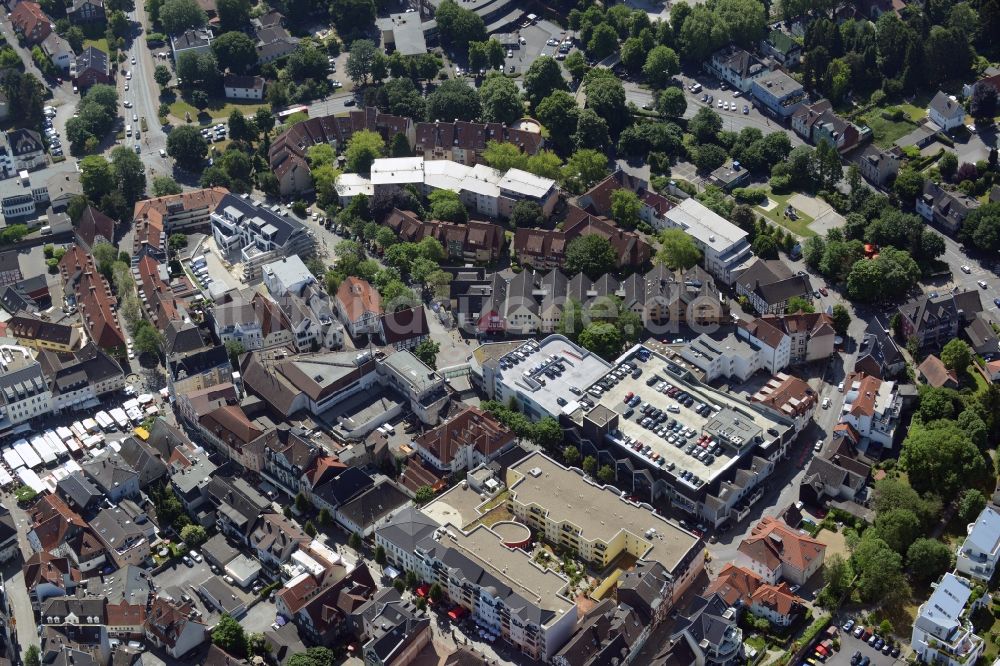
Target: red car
{"x": 823, "y": 291}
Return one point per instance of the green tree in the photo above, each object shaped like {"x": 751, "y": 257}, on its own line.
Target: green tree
{"x": 235, "y": 349}
{"x": 661, "y": 64}
{"x": 970, "y": 504}
{"x": 427, "y": 352}
{"x": 453, "y": 100}
{"x": 235, "y": 51}
{"x": 571, "y": 455}
{"x": 709, "y": 157}
{"x": 165, "y": 185}
{"x": 948, "y": 165}
{"x": 606, "y": 96}
{"x": 186, "y": 145}
{"x": 354, "y": 541}
{"x": 302, "y": 503}
{"x": 559, "y": 113}
{"x": 194, "y": 535}
{"x": 500, "y": 98}
{"x": 798, "y": 304}
{"x": 702, "y": 33}
{"x": 230, "y": 636}
{"x": 603, "y": 42}
{"x": 314, "y": 656}
{"x": 677, "y": 250}
{"x": 591, "y": 131}
{"x": 940, "y": 458}
{"x": 602, "y": 338}
{"x": 606, "y": 474}
{"x": 584, "y": 168}
{"x": 837, "y": 575}
{"x": 361, "y": 60}
{"x": 526, "y": 214}
{"x": 130, "y": 174}
{"x": 32, "y": 656}
{"x": 956, "y": 355}
{"x": 671, "y": 103}
{"x": 459, "y": 26}
{"x": 234, "y": 15}
{"x": 96, "y": 177}
{"x": 841, "y": 319}
{"x": 589, "y": 464}
{"x": 576, "y": 65}
{"x": 590, "y": 254}
{"x": 908, "y": 186}
{"x": 446, "y": 205}
{"x": 162, "y": 75}
{"x": 880, "y": 571}
{"x": 380, "y": 557}
{"x": 363, "y": 148}
{"x": 502, "y": 155}
{"x": 148, "y": 340}
{"x": 625, "y": 208}
{"x": 542, "y": 79}
{"x": 423, "y": 495}
{"x": 179, "y": 15}
{"x": 898, "y": 528}
{"x": 928, "y": 559}
{"x": 353, "y": 17}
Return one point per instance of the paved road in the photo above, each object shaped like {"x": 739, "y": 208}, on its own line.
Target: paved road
{"x": 17, "y": 593}
{"x": 338, "y": 103}
{"x": 981, "y": 270}
{"x": 144, "y": 95}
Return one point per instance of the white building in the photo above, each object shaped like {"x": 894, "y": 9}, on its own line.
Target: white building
{"x": 725, "y": 246}
{"x": 729, "y": 357}
{"x": 942, "y": 632}
{"x": 287, "y": 275}
{"x": 946, "y": 112}
{"x": 24, "y": 391}
{"x": 871, "y": 407}
{"x": 978, "y": 554}
{"x": 197, "y": 40}
{"x": 244, "y": 87}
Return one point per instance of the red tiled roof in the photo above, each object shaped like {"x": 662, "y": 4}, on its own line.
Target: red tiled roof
{"x": 470, "y": 427}
{"x": 94, "y": 298}
{"x": 771, "y": 543}
{"x": 94, "y": 225}
{"x": 231, "y": 425}
{"x": 358, "y": 297}
{"x": 29, "y": 19}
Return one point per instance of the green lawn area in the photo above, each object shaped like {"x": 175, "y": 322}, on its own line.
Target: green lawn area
{"x": 218, "y": 108}
{"x": 799, "y": 227}
{"x": 101, "y": 44}
{"x": 886, "y": 131}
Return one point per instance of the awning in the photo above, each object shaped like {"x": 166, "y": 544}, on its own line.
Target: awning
{"x": 423, "y": 590}
{"x": 457, "y": 612}
{"x": 142, "y": 433}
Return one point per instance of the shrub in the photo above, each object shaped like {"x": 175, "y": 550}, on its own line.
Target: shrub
{"x": 750, "y": 195}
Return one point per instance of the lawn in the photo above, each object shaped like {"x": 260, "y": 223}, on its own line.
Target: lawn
{"x": 799, "y": 227}
{"x": 887, "y": 131}
{"x": 101, "y": 44}
{"x": 218, "y": 108}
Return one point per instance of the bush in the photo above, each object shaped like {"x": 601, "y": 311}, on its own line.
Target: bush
{"x": 750, "y": 195}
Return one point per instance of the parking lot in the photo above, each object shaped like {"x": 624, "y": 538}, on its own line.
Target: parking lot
{"x": 535, "y": 37}
{"x": 180, "y": 579}
{"x": 849, "y": 645}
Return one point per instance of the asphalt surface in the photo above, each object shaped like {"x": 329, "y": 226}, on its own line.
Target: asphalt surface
{"x": 144, "y": 94}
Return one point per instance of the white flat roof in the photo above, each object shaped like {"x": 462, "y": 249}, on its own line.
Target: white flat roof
{"x": 398, "y": 170}
{"x": 353, "y": 184}
{"x": 526, "y": 183}
{"x": 445, "y": 174}
{"x": 706, "y": 226}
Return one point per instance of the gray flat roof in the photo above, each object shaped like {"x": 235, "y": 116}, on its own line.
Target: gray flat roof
{"x": 407, "y": 32}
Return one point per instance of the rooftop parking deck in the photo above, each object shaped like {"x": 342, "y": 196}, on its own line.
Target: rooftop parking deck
{"x": 733, "y": 427}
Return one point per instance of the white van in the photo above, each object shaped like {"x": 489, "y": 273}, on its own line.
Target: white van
{"x": 45, "y": 230}
{"x": 128, "y": 130}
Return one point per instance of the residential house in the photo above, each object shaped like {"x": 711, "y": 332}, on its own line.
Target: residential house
{"x": 58, "y": 51}
{"x": 464, "y": 141}
{"x": 144, "y": 459}
{"x": 730, "y": 176}
{"x": 25, "y": 147}
{"x": 47, "y": 576}
{"x": 229, "y": 430}
{"x": 31, "y": 22}
{"x": 126, "y": 533}
{"x": 287, "y": 460}
{"x": 40, "y": 334}
{"x": 465, "y": 441}
{"x": 835, "y": 479}
{"x": 79, "y": 493}
{"x": 817, "y": 122}
{"x": 776, "y": 552}
{"x": 243, "y": 87}
{"x": 725, "y": 356}
{"x": 982, "y": 338}
{"x": 546, "y": 249}
{"x": 933, "y": 372}
{"x": 255, "y": 324}
{"x": 878, "y": 354}
{"x": 876, "y": 165}
{"x": 85, "y": 11}
{"x": 946, "y": 112}
{"x": 769, "y": 284}
{"x": 316, "y": 602}
{"x": 115, "y": 477}
{"x": 91, "y": 67}
{"x": 61, "y": 532}
{"x": 194, "y": 371}
{"x": 709, "y": 633}
{"x": 736, "y": 67}
{"x": 287, "y": 275}
{"x": 784, "y": 340}
{"x": 480, "y": 242}
{"x": 275, "y": 538}
{"x": 780, "y": 94}
{"x": 400, "y": 535}
{"x": 287, "y": 155}
{"x": 942, "y": 631}
{"x": 943, "y": 208}
{"x": 273, "y": 41}
{"x": 192, "y": 40}
{"x": 405, "y": 328}
{"x": 95, "y": 300}
{"x": 741, "y": 588}
{"x": 362, "y": 513}
{"x": 785, "y": 50}
{"x": 169, "y": 627}
{"x": 191, "y": 471}
{"x": 24, "y": 391}
{"x": 978, "y": 555}
{"x": 184, "y": 213}
{"x": 359, "y": 306}
{"x": 94, "y": 227}
{"x": 934, "y": 320}
{"x": 872, "y": 407}
{"x": 391, "y": 631}
{"x": 789, "y": 397}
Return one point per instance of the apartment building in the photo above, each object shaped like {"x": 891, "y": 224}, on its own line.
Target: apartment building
{"x": 545, "y": 249}
{"x": 769, "y": 284}
{"x": 253, "y": 234}
{"x": 257, "y": 323}
{"x": 872, "y": 407}
{"x": 784, "y": 340}
{"x": 776, "y": 552}
{"x": 942, "y": 631}
{"x": 934, "y": 320}
{"x": 464, "y": 441}
{"x": 780, "y": 94}
{"x": 24, "y": 389}
{"x": 94, "y": 298}
{"x": 729, "y": 356}
{"x": 978, "y": 555}
{"x": 736, "y": 67}
{"x": 817, "y": 122}
{"x": 943, "y": 208}
{"x": 475, "y": 241}
{"x": 79, "y": 379}
{"x": 189, "y": 211}
{"x": 724, "y": 246}
{"x": 464, "y": 142}
{"x": 38, "y": 333}
{"x": 31, "y": 22}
